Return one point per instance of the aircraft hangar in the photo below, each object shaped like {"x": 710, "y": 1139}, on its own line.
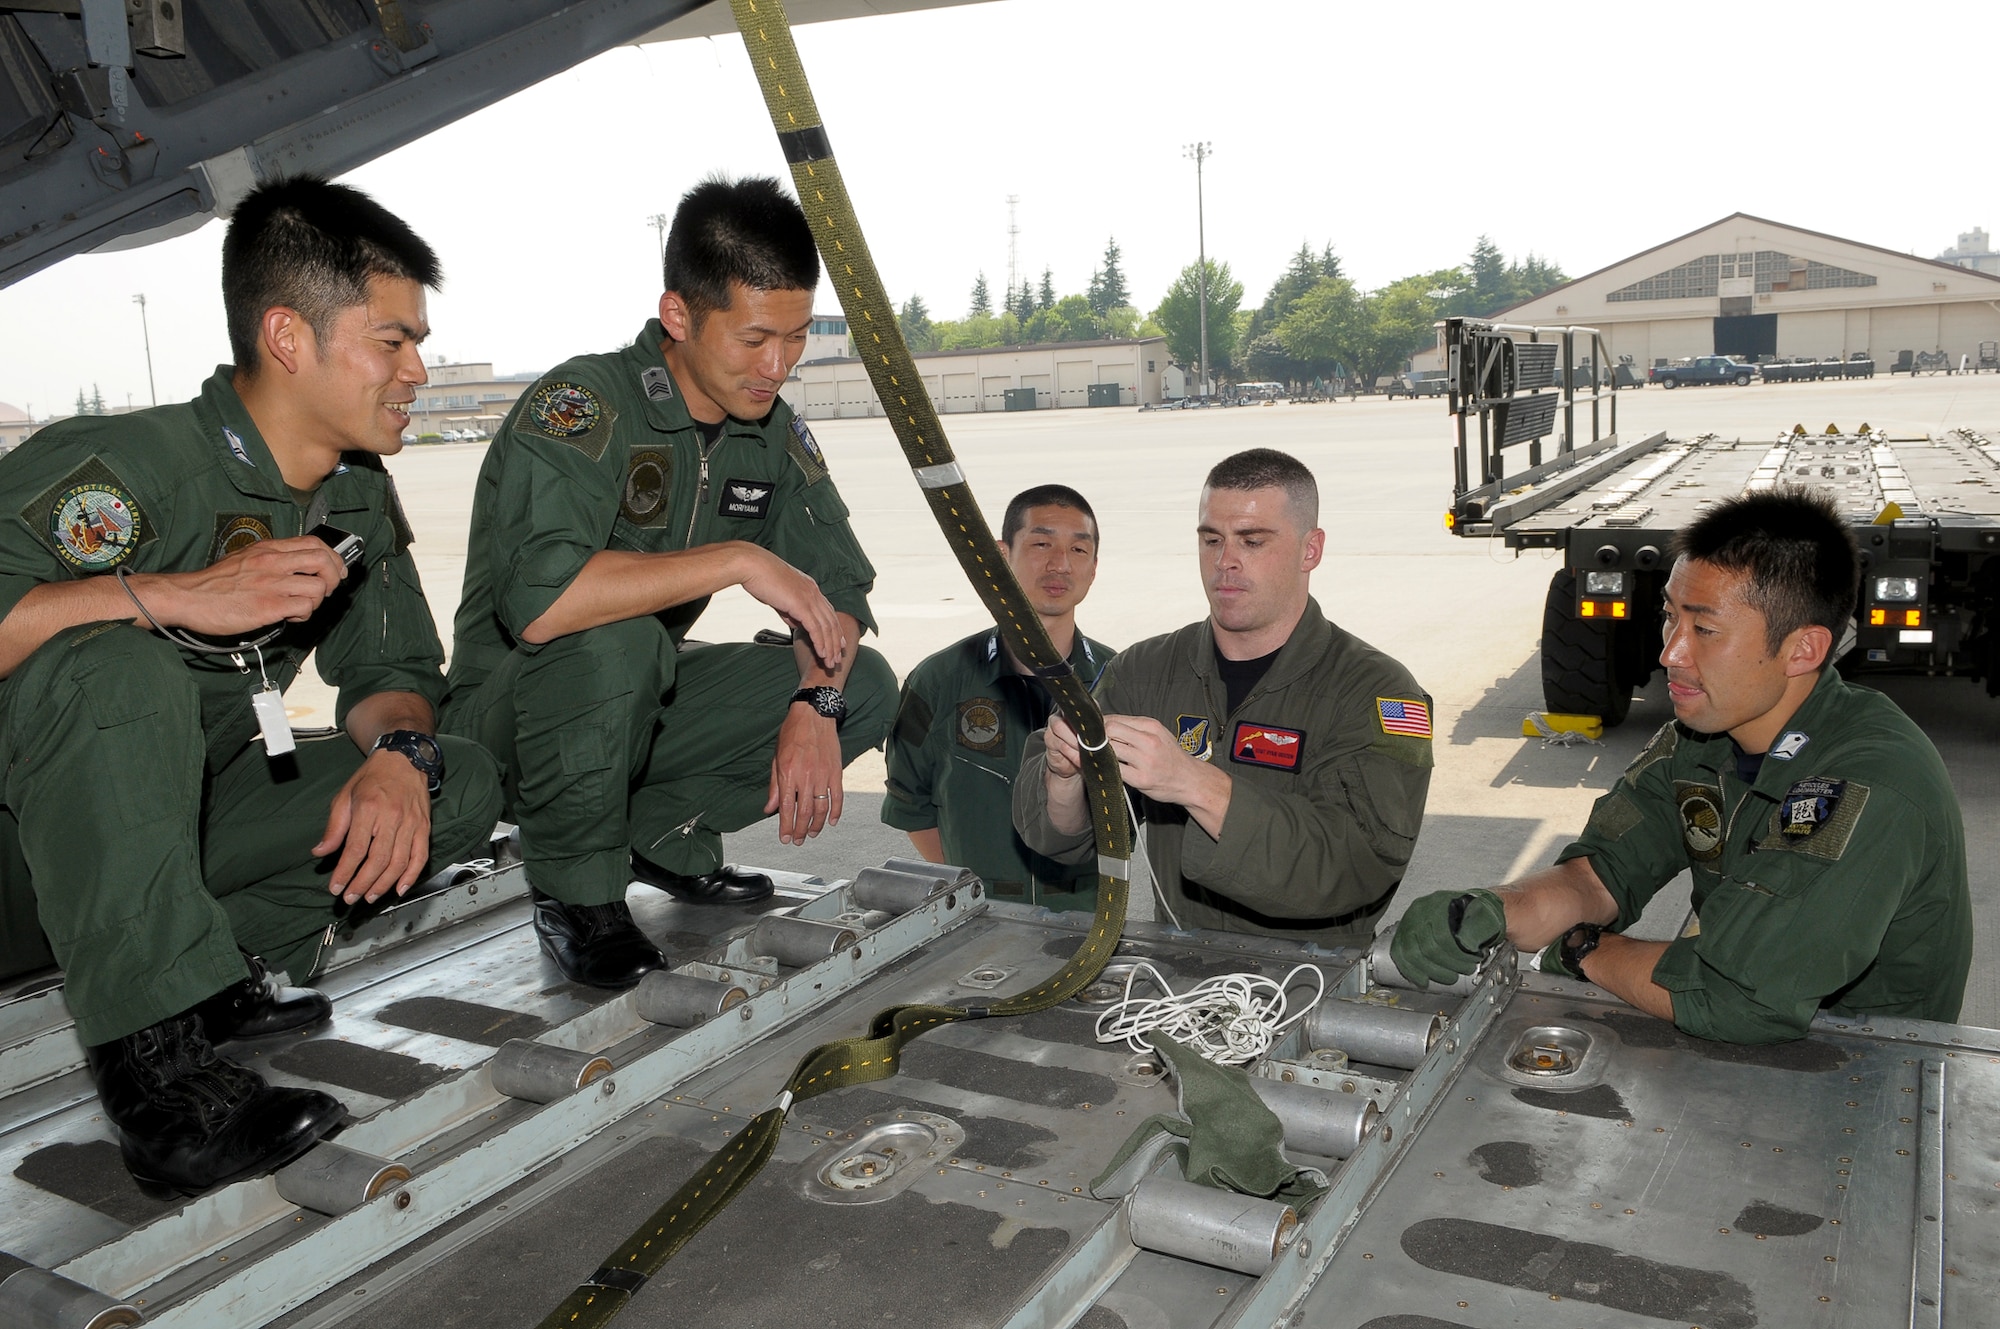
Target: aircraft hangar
{"x": 1749, "y": 287}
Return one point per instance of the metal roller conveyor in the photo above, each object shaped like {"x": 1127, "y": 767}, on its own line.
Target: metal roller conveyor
{"x": 33, "y": 1298}
{"x": 685, "y": 1000}
{"x": 1375, "y": 1034}
{"x": 897, "y": 892}
{"x": 333, "y": 1180}
{"x": 1319, "y": 1121}
{"x": 1230, "y": 1231}
{"x": 1382, "y": 970}
{"x": 798, "y": 942}
{"x": 539, "y": 1073}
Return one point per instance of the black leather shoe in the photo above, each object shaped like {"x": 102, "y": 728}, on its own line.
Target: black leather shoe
{"x": 725, "y": 885}
{"x": 261, "y": 1005}
{"x": 597, "y": 945}
{"x": 188, "y": 1120}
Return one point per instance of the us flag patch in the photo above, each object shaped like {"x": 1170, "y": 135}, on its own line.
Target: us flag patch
{"x": 1403, "y": 717}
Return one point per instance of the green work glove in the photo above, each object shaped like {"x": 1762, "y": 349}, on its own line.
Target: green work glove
{"x": 1443, "y": 935}
{"x": 1550, "y": 961}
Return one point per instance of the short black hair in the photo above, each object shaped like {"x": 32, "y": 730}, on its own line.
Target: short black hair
{"x": 749, "y": 231}
{"x": 1044, "y": 496}
{"x": 1267, "y": 468}
{"x": 311, "y": 245}
{"x": 1803, "y": 564}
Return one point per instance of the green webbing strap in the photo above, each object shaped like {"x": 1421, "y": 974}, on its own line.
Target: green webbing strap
{"x": 871, "y": 322}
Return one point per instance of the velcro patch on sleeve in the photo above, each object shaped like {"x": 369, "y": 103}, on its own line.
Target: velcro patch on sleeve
{"x": 1612, "y": 818}
{"x": 1816, "y": 817}
{"x": 1396, "y": 715}
{"x": 569, "y": 413}
{"x": 90, "y": 518}
{"x": 913, "y": 719}
{"x": 805, "y": 451}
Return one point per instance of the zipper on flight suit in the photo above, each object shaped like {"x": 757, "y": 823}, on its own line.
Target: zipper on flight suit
{"x": 701, "y": 490}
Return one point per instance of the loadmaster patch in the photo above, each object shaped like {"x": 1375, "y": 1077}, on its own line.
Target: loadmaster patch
{"x": 1267, "y": 745}
{"x": 981, "y": 726}
{"x": 89, "y": 518}
{"x": 236, "y": 531}
{"x": 1816, "y": 817}
{"x": 1197, "y": 735}
{"x": 805, "y": 451}
{"x": 643, "y": 500}
{"x": 570, "y": 413}
{"x": 1701, "y": 819}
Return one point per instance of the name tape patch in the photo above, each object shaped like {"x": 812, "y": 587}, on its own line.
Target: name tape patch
{"x": 746, "y": 498}
{"x": 1267, "y": 745}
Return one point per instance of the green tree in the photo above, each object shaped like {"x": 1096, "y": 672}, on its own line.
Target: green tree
{"x": 97, "y": 406}
{"x": 1179, "y": 316}
{"x": 1324, "y": 327}
{"x": 919, "y": 333}
{"x": 1119, "y": 321}
{"x": 1399, "y": 320}
{"x": 82, "y": 403}
{"x": 1305, "y": 269}
{"x": 982, "y": 299}
{"x": 1023, "y": 304}
{"x": 1489, "y": 284}
{"x": 1046, "y": 297}
{"x": 1108, "y": 288}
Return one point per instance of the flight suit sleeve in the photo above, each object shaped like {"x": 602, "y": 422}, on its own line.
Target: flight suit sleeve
{"x": 387, "y": 640}
{"x": 910, "y": 803}
{"x": 1338, "y": 841}
{"x": 1634, "y": 838}
{"x": 1031, "y": 805}
{"x": 1772, "y": 949}
{"x": 36, "y": 480}
{"x": 557, "y": 498}
{"x": 809, "y": 529}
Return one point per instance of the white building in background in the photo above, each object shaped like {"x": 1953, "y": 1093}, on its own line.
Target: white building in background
{"x": 1121, "y": 372}
{"x": 15, "y": 426}
{"x": 1974, "y": 250}
{"x": 1747, "y": 286}
{"x": 466, "y": 396}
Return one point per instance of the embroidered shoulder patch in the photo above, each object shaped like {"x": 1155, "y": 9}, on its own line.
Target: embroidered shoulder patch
{"x": 1658, "y": 749}
{"x": 570, "y": 413}
{"x": 1789, "y": 745}
{"x": 805, "y": 451}
{"x": 90, "y": 518}
{"x": 1411, "y": 718}
{"x": 235, "y": 531}
{"x": 1267, "y": 745}
{"x": 1197, "y": 735}
{"x": 658, "y": 383}
{"x": 1816, "y": 817}
{"x": 236, "y": 448}
{"x": 643, "y": 500}
{"x": 981, "y": 726}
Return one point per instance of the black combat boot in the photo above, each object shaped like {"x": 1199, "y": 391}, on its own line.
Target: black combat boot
{"x": 260, "y": 1005}
{"x": 189, "y": 1121}
{"x": 728, "y": 884}
{"x": 597, "y": 945}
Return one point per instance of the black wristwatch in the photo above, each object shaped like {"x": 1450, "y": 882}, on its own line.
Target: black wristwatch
{"x": 1578, "y": 943}
{"x": 422, "y": 750}
{"x": 827, "y": 701}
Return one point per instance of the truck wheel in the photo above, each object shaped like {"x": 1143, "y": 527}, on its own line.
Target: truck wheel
{"x": 1742, "y": 380}
{"x": 1670, "y": 383}
{"x": 1580, "y": 659}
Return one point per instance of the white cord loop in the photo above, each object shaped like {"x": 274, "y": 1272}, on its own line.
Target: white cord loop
{"x": 1230, "y": 1019}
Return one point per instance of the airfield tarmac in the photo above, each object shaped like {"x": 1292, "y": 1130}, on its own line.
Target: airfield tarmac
{"x": 1463, "y": 615}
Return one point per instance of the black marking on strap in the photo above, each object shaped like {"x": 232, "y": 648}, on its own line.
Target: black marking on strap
{"x": 978, "y": 1012}
{"x": 805, "y": 145}
{"x": 1060, "y": 669}
{"x": 624, "y": 1280}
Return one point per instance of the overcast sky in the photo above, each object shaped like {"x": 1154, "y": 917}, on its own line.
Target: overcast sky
{"x": 1400, "y": 133}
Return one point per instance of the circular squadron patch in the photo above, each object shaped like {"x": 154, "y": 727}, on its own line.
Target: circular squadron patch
{"x": 1701, "y": 821}
{"x": 643, "y": 502}
{"x": 234, "y": 533}
{"x": 980, "y": 726}
{"x": 95, "y": 525}
{"x": 565, "y": 410}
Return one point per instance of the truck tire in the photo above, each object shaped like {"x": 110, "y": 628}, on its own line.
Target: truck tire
{"x": 1670, "y": 382}
{"x": 1742, "y": 380}
{"x": 1580, "y": 659}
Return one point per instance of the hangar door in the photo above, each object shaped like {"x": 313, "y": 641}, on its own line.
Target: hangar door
{"x": 857, "y": 398}
{"x": 821, "y": 403}
{"x": 1126, "y": 376}
{"x": 961, "y": 393}
{"x": 1073, "y": 378}
{"x": 1044, "y": 399}
{"x": 1747, "y": 336}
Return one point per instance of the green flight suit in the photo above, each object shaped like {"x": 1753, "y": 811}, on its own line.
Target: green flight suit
{"x": 961, "y": 727}
{"x": 1329, "y": 759}
{"x": 1836, "y": 879}
{"x": 156, "y": 834}
{"x": 625, "y": 736}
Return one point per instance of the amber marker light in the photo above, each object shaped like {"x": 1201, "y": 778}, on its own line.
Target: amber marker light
{"x": 1878, "y": 618}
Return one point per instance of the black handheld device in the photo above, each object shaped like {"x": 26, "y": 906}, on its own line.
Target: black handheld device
{"x": 346, "y": 544}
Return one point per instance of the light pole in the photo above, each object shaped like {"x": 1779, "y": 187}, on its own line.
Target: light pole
{"x": 659, "y": 222}
{"x": 140, "y": 300}
{"x": 1199, "y": 153}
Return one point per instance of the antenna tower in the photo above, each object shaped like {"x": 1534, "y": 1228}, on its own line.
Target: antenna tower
{"x": 1013, "y": 247}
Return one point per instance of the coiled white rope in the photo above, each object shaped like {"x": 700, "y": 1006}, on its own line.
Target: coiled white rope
{"x": 1229, "y": 1018}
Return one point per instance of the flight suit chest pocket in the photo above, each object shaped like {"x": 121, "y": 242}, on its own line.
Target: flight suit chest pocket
{"x": 1759, "y": 913}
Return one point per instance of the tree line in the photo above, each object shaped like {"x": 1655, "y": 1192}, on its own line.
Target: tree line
{"x": 1314, "y": 323}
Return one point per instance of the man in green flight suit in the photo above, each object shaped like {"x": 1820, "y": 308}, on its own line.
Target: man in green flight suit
{"x": 1825, "y": 840}
{"x": 966, "y": 713}
{"x": 158, "y": 587}
{"x": 1283, "y": 762}
{"x": 621, "y": 493}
